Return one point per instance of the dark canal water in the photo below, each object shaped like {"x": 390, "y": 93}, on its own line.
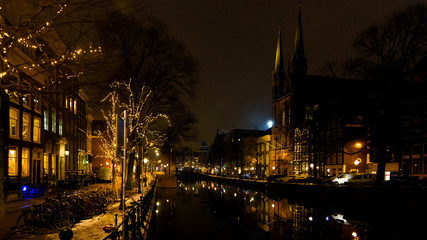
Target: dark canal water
{"x": 210, "y": 210}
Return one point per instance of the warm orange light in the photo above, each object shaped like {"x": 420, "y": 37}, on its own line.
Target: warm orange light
{"x": 358, "y": 145}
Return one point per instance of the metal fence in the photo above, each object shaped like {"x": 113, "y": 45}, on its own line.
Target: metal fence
{"x": 136, "y": 220}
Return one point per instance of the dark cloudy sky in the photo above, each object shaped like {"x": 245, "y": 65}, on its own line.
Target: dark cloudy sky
{"x": 234, "y": 42}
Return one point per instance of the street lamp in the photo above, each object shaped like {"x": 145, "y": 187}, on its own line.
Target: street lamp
{"x": 270, "y": 124}
{"x": 357, "y": 162}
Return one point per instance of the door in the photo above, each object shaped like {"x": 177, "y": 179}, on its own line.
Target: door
{"x": 36, "y": 179}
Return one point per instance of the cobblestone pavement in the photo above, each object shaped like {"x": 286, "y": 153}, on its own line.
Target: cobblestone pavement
{"x": 85, "y": 229}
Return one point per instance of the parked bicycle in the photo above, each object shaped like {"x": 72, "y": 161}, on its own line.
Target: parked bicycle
{"x": 49, "y": 213}
{"x": 64, "y": 210}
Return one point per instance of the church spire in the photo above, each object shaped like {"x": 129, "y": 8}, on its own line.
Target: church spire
{"x": 299, "y": 61}
{"x": 278, "y": 64}
{"x": 279, "y": 75}
{"x": 299, "y": 43}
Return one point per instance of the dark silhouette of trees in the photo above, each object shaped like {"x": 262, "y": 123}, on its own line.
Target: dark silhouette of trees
{"x": 387, "y": 55}
{"x": 162, "y": 73}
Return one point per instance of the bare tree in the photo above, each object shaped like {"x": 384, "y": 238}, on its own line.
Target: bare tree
{"x": 161, "y": 70}
{"x": 387, "y": 55}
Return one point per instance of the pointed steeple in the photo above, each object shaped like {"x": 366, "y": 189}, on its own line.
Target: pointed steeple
{"x": 279, "y": 75}
{"x": 299, "y": 61}
{"x": 278, "y": 64}
{"x": 299, "y": 43}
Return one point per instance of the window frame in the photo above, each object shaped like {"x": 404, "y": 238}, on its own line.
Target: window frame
{"x": 16, "y": 169}
{"x": 25, "y": 165}
{"x": 46, "y": 119}
{"x": 53, "y": 120}
{"x": 28, "y": 137}
{"x": 35, "y": 131}
{"x": 16, "y": 119}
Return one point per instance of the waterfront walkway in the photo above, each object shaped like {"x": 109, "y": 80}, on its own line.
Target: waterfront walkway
{"x": 85, "y": 229}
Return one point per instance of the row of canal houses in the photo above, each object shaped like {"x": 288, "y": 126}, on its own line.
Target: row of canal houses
{"x": 45, "y": 136}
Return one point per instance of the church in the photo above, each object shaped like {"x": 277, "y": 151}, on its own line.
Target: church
{"x": 320, "y": 126}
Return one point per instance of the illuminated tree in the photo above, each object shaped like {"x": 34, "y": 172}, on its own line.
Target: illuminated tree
{"x": 161, "y": 70}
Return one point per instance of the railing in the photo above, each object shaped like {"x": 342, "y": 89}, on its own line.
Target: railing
{"x": 136, "y": 220}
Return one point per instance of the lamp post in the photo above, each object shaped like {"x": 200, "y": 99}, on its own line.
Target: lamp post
{"x": 145, "y": 171}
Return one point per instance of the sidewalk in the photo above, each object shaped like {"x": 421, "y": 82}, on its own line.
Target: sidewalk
{"x": 14, "y": 208}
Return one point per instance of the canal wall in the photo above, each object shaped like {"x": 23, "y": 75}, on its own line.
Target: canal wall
{"x": 368, "y": 198}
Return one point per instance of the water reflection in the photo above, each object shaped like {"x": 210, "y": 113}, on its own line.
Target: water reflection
{"x": 209, "y": 210}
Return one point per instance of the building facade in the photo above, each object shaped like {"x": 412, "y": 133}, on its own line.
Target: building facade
{"x": 316, "y": 118}
{"x": 44, "y": 117}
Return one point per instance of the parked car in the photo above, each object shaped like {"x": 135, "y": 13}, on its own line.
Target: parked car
{"x": 362, "y": 179}
{"x": 343, "y": 178}
{"x": 303, "y": 180}
{"x": 291, "y": 179}
{"x": 244, "y": 175}
{"x": 272, "y": 178}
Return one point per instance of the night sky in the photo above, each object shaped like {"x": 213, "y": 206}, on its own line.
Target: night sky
{"x": 234, "y": 42}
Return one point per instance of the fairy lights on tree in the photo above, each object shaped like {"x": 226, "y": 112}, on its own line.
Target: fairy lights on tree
{"x": 140, "y": 133}
{"x": 30, "y": 45}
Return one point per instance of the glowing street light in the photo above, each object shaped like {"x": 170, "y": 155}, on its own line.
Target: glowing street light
{"x": 357, "y": 161}
{"x": 270, "y": 124}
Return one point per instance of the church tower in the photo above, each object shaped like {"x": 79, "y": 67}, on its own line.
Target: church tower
{"x": 298, "y": 65}
{"x": 279, "y": 75}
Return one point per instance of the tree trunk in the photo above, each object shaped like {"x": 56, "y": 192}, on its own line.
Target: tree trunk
{"x": 129, "y": 177}
{"x": 114, "y": 179}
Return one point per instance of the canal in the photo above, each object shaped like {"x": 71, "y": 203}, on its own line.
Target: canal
{"x": 211, "y": 210}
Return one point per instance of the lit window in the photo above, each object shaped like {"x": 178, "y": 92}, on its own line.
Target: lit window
{"x": 53, "y": 120}
{"x": 71, "y": 104}
{"x": 60, "y": 124}
{"x": 26, "y": 126}
{"x": 36, "y": 130}
{"x": 13, "y": 164}
{"x": 66, "y": 102}
{"x": 46, "y": 163}
{"x": 46, "y": 119}
{"x": 75, "y": 106}
{"x": 25, "y": 162}
{"x": 13, "y": 122}
{"x": 53, "y": 165}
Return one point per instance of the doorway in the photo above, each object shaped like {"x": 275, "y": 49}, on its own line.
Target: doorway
{"x": 36, "y": 179}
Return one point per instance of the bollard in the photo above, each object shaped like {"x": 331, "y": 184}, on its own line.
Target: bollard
{"x": 66, "y": 234}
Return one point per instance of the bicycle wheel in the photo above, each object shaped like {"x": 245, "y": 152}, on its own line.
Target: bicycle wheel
{"x": 64, "y": 220}
{"x": 26, "y": 222}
